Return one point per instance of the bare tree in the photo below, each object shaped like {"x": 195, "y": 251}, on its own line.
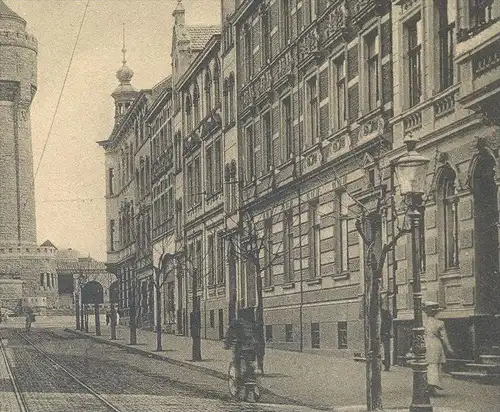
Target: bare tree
{"x": 253, "y": 243}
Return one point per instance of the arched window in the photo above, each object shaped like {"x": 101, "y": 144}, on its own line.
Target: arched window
{"x": 448, "y": 201}
{"x": 196, "y": 104}
{"x": 208, "y": 92}
{"x": 225, "y": 93}
{"x": 231, "y": 98}
{"x": 216, "y": 82}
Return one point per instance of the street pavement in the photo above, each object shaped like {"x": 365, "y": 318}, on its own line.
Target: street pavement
{"x": 314, "y": 380}
{"x": 129, "y": 382}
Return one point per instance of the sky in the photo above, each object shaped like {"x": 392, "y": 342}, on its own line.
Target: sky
{"x": 72, "y": 166}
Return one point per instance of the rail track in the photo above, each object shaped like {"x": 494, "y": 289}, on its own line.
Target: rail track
{"x": 22, "y": 400}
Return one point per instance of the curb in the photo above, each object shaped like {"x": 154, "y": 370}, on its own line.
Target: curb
{"x": 149, "y": 354}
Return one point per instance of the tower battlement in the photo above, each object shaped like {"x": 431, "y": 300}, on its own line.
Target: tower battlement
{"x": 19, "y": 39}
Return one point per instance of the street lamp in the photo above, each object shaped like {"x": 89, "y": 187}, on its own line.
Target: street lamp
{"x": 411, "y": 171}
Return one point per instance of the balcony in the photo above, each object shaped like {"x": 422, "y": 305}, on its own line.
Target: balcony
{"x": 479, "y": 60}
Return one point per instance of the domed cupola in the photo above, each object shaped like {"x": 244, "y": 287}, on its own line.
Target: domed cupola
{"x": 125, "y": 93}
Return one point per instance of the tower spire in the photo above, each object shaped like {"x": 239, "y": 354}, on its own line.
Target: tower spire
{"x": 124, "y": 50}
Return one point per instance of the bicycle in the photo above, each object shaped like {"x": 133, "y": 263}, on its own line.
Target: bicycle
{"x": 247, "y": 387}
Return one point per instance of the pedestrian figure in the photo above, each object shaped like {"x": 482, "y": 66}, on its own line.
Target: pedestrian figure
{"x": 117, "y": 317}
{"x": 108, "y": 317}
{"x": 29, "y": 319}
{"x": 436, "y": 344}
{"x": 386, "y": 334}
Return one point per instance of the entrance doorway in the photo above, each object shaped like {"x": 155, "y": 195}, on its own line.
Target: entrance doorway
{"x": 486, "y": 234}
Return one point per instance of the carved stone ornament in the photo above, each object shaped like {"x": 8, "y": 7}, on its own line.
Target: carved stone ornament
{"x": 337, "y": 19}
{"x": 310, "y": 43}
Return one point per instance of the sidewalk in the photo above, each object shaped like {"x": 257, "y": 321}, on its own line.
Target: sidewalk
{"x": 319, "y": 381}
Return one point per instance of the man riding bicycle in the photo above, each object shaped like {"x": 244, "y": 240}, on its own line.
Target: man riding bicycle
{"x": 241, "y": 335}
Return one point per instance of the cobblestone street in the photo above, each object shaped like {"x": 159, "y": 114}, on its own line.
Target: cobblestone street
{"x": 127, "y": 382}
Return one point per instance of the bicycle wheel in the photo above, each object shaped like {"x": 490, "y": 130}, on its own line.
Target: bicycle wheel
{"x": 232, "y": 381}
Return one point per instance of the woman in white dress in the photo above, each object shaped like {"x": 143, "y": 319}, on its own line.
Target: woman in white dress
{"x": 436, "y": 343}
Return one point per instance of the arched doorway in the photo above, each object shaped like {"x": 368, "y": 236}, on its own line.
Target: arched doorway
{"x": 92, "y": 293}
{"x": 486, "y": 233}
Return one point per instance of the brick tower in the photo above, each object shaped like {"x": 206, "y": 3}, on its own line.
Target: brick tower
{"x": 22, "y": 263}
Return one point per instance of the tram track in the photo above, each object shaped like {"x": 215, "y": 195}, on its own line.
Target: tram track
{"x": 23, "y": 400}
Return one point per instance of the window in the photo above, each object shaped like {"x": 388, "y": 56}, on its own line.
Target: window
{"x": 220, "y": 258}
{"x": 449, "y": 204}
{"x": 285, "y": 21}
{"x": 267, "y": 137}
{"x": 189, "y": 114}
{"x": 287, "y": 127}
{"x": 209, "y": 166}
{"x": 216, "y": 82}
{"x": 211, "y": 259}
{"x": 372, "y": 63}
{"x": 342, "y": 335}
{"x": 208, "y": 92}
{"x": 112, "y": 235}
{"x": 315, "y": 336}
{"x": 414, "y": 34}
{"x": 340, "y": 90}
{"x": 447, "y": 14}
{"x": 343, "y": 232}
{"x": 250, "y": 155}
{"x": 190, "y": 191}
{"x": 266, "y": 35}
{"x": 196, "y": 105}
{"x": 268, "y": 252}
{"x": 288, "y": 246}
{"x": 314, "y": 255}
{"x": 111, "y": 181}
{"x": 197, "y": 181}
{"x": 480, "y": 12}
{"x": 218, "y": 165}
{"x": 212, "y": 318}
{"x": 42, "y": 279}
{"x": 269, "y": 333}
{"x": 289, "y": 332}
{"x": 313, "y": 105}
{"x": 311, "y": 10}
{"x": 231, "y": 98}
{"x": 248, "y": 50}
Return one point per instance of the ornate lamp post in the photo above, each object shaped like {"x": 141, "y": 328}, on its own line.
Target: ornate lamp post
{"x": 411, "y": 171}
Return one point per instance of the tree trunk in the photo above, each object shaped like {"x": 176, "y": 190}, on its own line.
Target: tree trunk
{"x": 159, "y": 347}
{"x": 367, "y": 332}
{"x": 195, "y": 320}
{"x": 77, "y": 311}
{"x": 86, "y": 319}
{"x": 97, "y": 320}
{"x": 113, "y": 322}
{"x": 132, "y": 315}
{"x": 82, "y": 314}
{"x": 259, "y": 318}
{"x": 375, "y": 341}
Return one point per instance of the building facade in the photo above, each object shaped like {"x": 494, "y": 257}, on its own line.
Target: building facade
{"x": 273, "y": 152}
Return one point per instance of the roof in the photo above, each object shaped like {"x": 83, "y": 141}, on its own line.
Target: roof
{"x": 47, "y": 243}
{"x": 200, "y": 35}
{"x": 6, "y": 12}
{"x": 158, "y": 88}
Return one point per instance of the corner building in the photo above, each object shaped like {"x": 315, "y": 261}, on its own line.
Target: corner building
{"x": 446, "y": 94}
